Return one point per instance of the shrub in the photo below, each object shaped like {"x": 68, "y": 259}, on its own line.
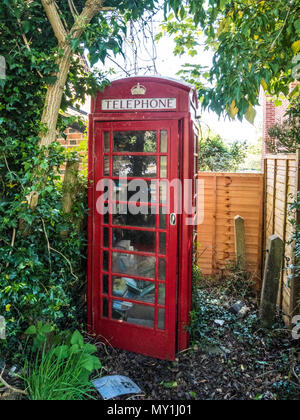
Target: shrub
{"x": 42, "y": 254}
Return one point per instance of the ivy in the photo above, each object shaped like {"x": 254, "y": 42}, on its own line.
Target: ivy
{"x": 42, "y": 249}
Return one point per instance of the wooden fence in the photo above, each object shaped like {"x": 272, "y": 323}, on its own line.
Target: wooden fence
{"x": 281, "y": 184}
{"x": 222, "y": 196}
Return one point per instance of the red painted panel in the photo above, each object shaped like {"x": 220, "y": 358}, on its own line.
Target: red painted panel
{"x": 148, "y": 341}
{"x": 155, "y": 88}
{"x": 140, "y": 339}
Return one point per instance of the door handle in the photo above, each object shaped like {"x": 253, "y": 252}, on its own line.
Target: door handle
{"x": 173, "y": 219}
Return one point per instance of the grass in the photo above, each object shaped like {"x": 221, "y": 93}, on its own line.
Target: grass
{"x": 52, "y": 378}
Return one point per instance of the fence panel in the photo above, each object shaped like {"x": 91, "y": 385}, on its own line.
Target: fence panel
{"x": 281, "y": 186}
{"x": 227, "y": 195}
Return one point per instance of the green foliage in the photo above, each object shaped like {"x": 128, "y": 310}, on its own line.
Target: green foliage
{"x": 218, "y": 156}
{"x": 37, "y": 283}
{"x": 254, "y": 44}
{"x": 209, "y": 304}
{"x": 42, "y": 250}
{"x": 42, "y": 270}
{"x": 285, "y": 137}
{"x": 253, "y": 157}
{"x": 295, "y": 240}
{"x": 63, "y": 372}
{"x": 238, "y": 283}
{"x": 39, "y": 333}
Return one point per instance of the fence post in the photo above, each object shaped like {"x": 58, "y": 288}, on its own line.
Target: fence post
{"x": 271, "y": 281}
{"x": 240, "y": 242}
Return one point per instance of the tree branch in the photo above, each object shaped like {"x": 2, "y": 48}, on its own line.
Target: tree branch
{"x": 73, "y": 9}
{"x": 12, "y": 389}
{"x": 92, "y": 7}
{"x": 64, "y": 37}
{"x": 13, "y": 239}
{"x": 55, "y": 20}
{"x": 27, "y": 45}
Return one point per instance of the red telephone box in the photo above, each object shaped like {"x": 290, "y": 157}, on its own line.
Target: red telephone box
{"x": 143, "y": 160}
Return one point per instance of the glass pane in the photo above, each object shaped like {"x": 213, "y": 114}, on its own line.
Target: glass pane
{"x": 106, "y": 166}
{"x": 162, "y": 243}
{"x": 164, "y": 141}
{"x": 161, "y": 294}
{"x": 162, "y": 269}
{"x": 106, "y": 218}
{"x": 162, "y": 219}
{"x": 138, "y": 220}
{"x": 135, "y": 166}
{"x": 136, "y": 265}
{"x": 119, "y": 286}
{"x": 120, "y": 309}
{"x": 163, "y": 167}
{"x": 134, "y": 240}
{"x": 106, "y": 142}
{"x": 135, "y": 141}
{"x": 105, "y": 284}
{"x": 106, "y": 237}
{"x": 133, "y": 313}
{"x": 143, "y": 291}
{"x": 105, "y": 307}
{"x": 163, "y": 191}
{"x": 161, "y": 319}
{"x": 136, "y": 190}
{"x": 105, "y": 264}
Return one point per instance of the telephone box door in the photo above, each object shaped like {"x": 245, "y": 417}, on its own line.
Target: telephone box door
{"x": 135, "y": 235}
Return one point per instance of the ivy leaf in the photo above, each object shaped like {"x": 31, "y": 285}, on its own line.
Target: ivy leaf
{"x": 75, "y": 43}
{"x": 26, "y": 25}
{"x": 297, "y": 26}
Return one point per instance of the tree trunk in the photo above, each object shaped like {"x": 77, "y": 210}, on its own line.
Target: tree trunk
{"x": 54, "y": 98}
{"x": 64, "y": 37}
{"x": 70, "y": 186}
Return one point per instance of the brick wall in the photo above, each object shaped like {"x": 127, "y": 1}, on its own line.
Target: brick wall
{"x": 73, "y": 139}
{"x": 271, "y": 115}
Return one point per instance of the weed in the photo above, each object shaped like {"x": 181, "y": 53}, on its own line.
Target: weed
{"x": 63, "y": 372}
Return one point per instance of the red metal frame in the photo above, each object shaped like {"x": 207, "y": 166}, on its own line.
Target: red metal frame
{"x": 157, "y": 343}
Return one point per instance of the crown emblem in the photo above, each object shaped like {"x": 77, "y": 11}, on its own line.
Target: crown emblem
{"x": 138, "y": 90}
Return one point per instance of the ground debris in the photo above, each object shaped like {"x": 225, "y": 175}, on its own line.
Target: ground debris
{"x": 236, "y": 361}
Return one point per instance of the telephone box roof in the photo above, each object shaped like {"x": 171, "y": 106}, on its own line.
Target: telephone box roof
{"x": 166, "y": 81}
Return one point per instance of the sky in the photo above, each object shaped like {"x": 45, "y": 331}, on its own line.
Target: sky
{"x": 229, "y": 130}
{"x": 168, "y": 65}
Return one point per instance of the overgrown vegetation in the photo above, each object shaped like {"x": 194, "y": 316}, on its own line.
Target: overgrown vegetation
{"x": 295, "y": 240}
{"x": 59, "y": 372}
{"x": 42, "y": 258}
{"x": 218, "y": 156}
{"x": 42, "y": 247}
{"x": 285, "y": 136}
{"x": 212, "y": 299}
